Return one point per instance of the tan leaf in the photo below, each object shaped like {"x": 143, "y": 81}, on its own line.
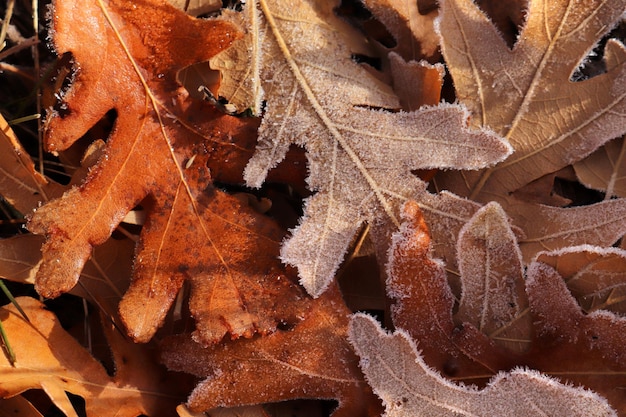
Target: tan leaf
{"x": 595, "y": 276}
{"x": 550, "y": 228}
{"x": 360, "y": 159}
{"x": 19, "y": 257}
{"x": 416, "y": 83}
{"x": 493, "y": 293}
{"x": 48, "y": 358}
{"x": 605, "y": 169}
{"x": 527, "y": 95}
{"x": 408, "y": 387}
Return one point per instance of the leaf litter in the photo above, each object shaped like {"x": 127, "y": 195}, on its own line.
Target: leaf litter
{"x": 481, "y": 290}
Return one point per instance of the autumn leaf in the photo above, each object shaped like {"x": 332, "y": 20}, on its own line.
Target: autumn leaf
{"x": 408, "y": 387}
{"x": 49, "y": 358}
{"x": 492, "y": 279}
{"x": 552, "y": 334}
{"x": 423, "y": 305}
{"x": 311, "y": 359}
{"x": 604, "y": 169}
{"x": 594, "y": 275}
{"x": 159, "y": 153}
{"x": 360, "y": 157}
{"x": 526, "y": 93}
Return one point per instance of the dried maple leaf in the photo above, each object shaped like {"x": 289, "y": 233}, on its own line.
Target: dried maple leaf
{"x": 605, "y": 169}
{"x": 526, "y": 93}
{"x": 49, "y": 358}
{"x": 159, "y": 151}
{"x": 311, "y": 360}
{"x": 360, "y": 158}
{"x": 408, "y": 387}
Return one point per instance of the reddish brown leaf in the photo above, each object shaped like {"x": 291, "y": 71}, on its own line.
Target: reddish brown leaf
{"x": 311, "y": 360}
{"x": 160, "y": 150}
{"x": 424, "y": 302}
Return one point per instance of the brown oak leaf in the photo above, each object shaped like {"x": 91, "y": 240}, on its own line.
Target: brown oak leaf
{"x": 360, "y": 157}
{"x": 49, "y": 358}
{"x": 414, "y": 32}
{"x": 159, "y": 153}
{"x": 526, "y": 92}
{"x": 313, "y": 359}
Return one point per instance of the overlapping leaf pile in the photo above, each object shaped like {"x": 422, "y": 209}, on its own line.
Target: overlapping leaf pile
{"x": 501, "y": 285}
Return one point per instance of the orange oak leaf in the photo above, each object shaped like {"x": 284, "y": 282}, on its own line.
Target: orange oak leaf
{"x": 159, "y": 153}
{"x": 312, "y": 359}
{"x": 49, "y": 358}
{"x": 20, "y": 184}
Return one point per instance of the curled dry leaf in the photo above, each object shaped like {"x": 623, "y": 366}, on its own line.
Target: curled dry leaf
{"x": 493, "y": 293}
{"x": 159, "y": 154}
{"x": 310, "y": 360}
{"x": 49, "y": 358}
{"x": 408, "y": 387}
{"x": 526, "y": 93}
{"x": 360, "y": 157}
{"x": 423, "y": 305}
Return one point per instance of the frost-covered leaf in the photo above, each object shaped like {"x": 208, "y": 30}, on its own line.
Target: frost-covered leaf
{"x": 493, "y": 295}
{"x": 408, "y": 387}
{"x": 360, "y": 157}
{"x": 164, "y": 152}
{"x": 595, "y": 276}
{"x": 423, "y": 306}
{"x": 526, "y": 93}
{"x": 311, "y": 359}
